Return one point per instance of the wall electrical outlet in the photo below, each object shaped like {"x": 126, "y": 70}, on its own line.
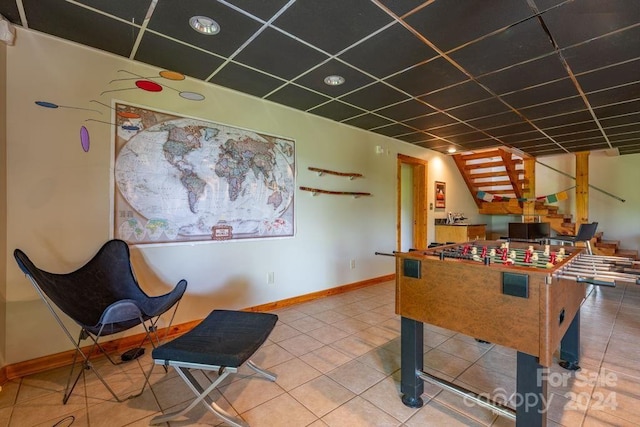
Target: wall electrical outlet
{"x": 352, "y": 264}
{"x": 270, "y": 278}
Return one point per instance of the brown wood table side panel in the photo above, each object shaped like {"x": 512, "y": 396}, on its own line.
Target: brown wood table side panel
{"x": 467, "y": 298}
{"x": 563, "y": 296}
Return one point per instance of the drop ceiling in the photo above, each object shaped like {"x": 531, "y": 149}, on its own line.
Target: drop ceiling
{"x": 543, "y": 77}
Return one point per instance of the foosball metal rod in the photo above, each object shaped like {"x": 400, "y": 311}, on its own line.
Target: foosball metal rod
{"x": 496, "y": 407}
{"x": 585, "y": 271}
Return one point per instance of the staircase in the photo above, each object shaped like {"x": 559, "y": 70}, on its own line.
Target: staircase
{"x": 500, "y": 172}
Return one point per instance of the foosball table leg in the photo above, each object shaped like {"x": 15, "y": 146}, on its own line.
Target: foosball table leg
{"x": 412, "y": 358}
{"x": 531, "y": 392}
{"x": 570, "y": 345}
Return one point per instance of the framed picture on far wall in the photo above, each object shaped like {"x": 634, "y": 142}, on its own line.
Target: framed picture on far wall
{"x": 441, "y": 195}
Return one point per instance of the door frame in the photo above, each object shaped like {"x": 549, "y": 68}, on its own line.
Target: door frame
{"x": 420, "y": 196}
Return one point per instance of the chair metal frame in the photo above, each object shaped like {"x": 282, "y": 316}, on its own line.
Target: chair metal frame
{"x": 120, "y": 315}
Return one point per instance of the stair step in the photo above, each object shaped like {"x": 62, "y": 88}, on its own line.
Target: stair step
{"x": 613, "y": 244}
{"x": 627, "y": 253}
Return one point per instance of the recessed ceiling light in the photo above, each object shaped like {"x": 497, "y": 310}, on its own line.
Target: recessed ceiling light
{"x": 334, "y": 80}
{"x": 204, "y": 25}
{"x": 451, "y": 150}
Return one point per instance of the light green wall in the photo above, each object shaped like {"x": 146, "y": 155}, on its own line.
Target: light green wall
{"x": 59, "y": 197}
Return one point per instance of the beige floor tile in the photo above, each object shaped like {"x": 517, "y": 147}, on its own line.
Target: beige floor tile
{"x": 498, "y": 361}
{"x": 381, "y": 359}
{"x": 307, "y": 324}
{"x": 268, "y": 356}
{"x": 302, "y": 344}
{"x": 325, "y": 359}
{"x": 37, "y": 385}
{"x": 44, "y": 408}
{"x": 464, "y": 349}
{"x": 327, "y": 334}
{"x": 282, "y": 411}
{"x": 5, "y": 415}
{"x": 321, "y": 395}
{"x": 356, "y": 376}
{"x": 359, "y": 412}
{"x": 172, "y": 392}
{"x": 436, "y": 414}
{"x": 330, "y": 316}
{"x": 294, "y": 373}
{"x": 9, "y": 393}
{"x": 248, "y": 393}
{"x": 283, "y": 331}
{"x": 386, "y": 396}
{"x": 75, "y": 419}
{"x": 351, "y": 325}
{"x": 289, "y": 314}
{"x": 354, "y": 346}
{"x": 445, "y": 362}
{"x": 112, "y": 413}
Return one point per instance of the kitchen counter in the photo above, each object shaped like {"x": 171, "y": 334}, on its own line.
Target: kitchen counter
{"x": 458, "y": 233}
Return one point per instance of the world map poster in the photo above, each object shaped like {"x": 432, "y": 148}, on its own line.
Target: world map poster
{"x": 180, "y": 179}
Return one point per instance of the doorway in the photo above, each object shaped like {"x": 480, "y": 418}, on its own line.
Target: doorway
{"x": 411, "y": 220}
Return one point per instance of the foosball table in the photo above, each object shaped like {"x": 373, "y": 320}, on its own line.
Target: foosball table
{"x": 522, "y": 296}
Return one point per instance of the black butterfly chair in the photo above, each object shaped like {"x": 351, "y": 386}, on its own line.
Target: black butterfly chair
{"x": 586, "y": 232}
{"x": 104, "y": 298}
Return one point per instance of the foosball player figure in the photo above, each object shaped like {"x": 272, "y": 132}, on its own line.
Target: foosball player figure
{"x": 527, "y": 257}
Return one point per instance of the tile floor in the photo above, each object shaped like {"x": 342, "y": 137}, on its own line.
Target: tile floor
{"x": 338, "y": 362}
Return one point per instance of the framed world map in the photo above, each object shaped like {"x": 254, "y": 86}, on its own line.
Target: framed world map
{"x": 180, "y": 179}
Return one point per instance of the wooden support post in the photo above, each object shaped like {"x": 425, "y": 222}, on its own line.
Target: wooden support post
{"x": 582, "y": 188}
{"x": 529, "y": 208}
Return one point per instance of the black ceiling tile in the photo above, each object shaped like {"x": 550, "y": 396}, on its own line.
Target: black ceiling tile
{"x": 235, "y": 28}
{"x": 469, "y": 137}
{"x": 374, "y": 96}
{"x": 245, "y": 80}
{"x": 516, "y": 128}
{"x": 342, "y": 23}
{"x": 388, "y": 52}
{"x": 577, "y": 21}
{"x": 586, "y": 145}
{"x": 414, "y": 137}
{"x": 457, "y": 95}
{"x": 451, "y": 130}
{"x": 544, "y": 5}
{"x": 632, "y": 149}
{"x": 543, "y": 151}
{"x": 604, "y": 51}
{"x": 488, "y": 107}
{"x": 430, "y": 121}
{"x": 170, "y": 55}
{"x": 9, "y": 9}
{"x": 427, "y": 77}
{"x": 336, "y": 110}
{"x": 617, "y": 109}
{"x": 611, "y": 76}
{"x": 516, "y": 44}
{"x": 553, "y": 108}
{"x": 545, "y": 69}
{"x": 620, "y": 120}
{"x": 578, "y": 136}
{"x": 297, "y": 97}
{"x": 279, "y": 55}
{"x": 614, "y": 95}
{"x": 393, "y": 130}
{"x": 367, "y": 121}
{"x": 525, "y": 136}
{"x": 126, "y": 9}
{"x": 625, "y": 136}
{"x": 477, "y": 145}
{"x": 527, "y": 144}
{"x": 314, "y": 79}
{"x": 261, "y": 9}
{"x": 81, "y": 25}
{"x": 453, "y": 23}
{"x": 572, "y": 128}
{"x": 563, "y": 119}
{"x": 540, "y": 94}
{"x": 489, "y": 122}
{"x": 435, "y": 144}
{"x": 405, "y": 110}
{"x": 400, "y": 7}
{"x": 630, "y": 127}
